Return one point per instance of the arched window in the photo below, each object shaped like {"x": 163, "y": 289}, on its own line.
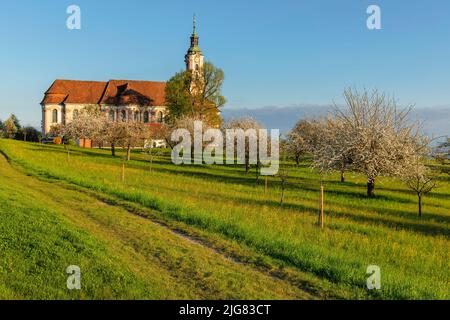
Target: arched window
{"x": 111, "y": 115}
{"x": 123, "y": 115}
{"x": 197, "y": 67}
{"x": 160, "y": 117}
{"x": 75, "y": 114}
{"x": 55, "y": 116}
{"x": 136, "y": 116}
{"x": 146, "y": 117}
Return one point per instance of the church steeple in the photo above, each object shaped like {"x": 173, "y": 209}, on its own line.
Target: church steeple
{"x": 194, "y": 38}
{"x": 194, "y": 56}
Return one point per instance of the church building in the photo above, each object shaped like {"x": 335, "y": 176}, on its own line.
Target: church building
{"x": 120, "y": 100}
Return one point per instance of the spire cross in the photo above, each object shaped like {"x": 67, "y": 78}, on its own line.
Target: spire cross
{"x": 195, "y": 23}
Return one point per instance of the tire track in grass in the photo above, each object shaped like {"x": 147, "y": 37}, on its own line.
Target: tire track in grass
{"x": 302, "y": 281}
{"x": 190, "y": 261}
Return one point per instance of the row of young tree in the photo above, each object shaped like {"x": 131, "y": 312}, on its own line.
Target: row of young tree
{"x": 92, "y": 124}
{"x": 12, "y": 129}
{"x": 442, "y": 156}
{"x": 371, "y": 135}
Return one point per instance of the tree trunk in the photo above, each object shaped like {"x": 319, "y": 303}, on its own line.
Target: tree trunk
{"x": 371, "y": 187}
{"x": 297, "y": 160}
{"x": 258, "y": 170}
{"x": 342, "y": 175}
{"x": 247, "y": 164}
{"x": 343, "y": 171}
{"x": 68, "y": 152}
{"x": 113, "y": 150}
{"x": 420, "y": 205}
{"x": 265, "y": 185}
{"x": 151, "y": 163}
{"x": 128, "y": 153}
{"x": 321, "y": 206}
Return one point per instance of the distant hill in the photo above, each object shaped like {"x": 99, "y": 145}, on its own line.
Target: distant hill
{"x": 436, "y": 120}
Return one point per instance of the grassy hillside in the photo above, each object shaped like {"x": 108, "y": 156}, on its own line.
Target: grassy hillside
{"x": 229, "y": 211}
{"x": 44, "y": 228}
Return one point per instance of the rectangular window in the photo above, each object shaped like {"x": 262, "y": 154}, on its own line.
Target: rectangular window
{"x": 55, "y": 116}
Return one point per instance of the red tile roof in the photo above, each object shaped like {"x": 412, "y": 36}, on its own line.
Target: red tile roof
{"x": 118, "y": 92}
{"x": 123, "y": 92}
{"x": 72, "y": 91}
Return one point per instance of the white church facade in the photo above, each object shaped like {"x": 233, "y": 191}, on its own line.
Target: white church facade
{"x": 120, "y": 100}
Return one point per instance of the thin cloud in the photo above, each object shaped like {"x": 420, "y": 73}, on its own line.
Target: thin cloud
{"x": 436, "y": 120}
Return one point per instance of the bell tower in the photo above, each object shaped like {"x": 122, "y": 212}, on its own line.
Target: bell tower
{"x": 194, "y": 57}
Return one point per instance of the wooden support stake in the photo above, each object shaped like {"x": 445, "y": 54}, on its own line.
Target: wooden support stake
{"x": 321, "y": 214}
{"x": 265, "y": 186}
{"x": 151, "y": 162}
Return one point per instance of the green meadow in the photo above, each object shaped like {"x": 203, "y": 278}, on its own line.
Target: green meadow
{"x": 209, "y": 232}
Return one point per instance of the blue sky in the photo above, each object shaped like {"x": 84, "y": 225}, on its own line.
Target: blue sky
{"x": 274, "y": 53}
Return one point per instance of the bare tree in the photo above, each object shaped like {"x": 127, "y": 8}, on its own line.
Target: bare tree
{"x": 442, "y": 156}
{"x": 152, "y": 154}
{"x": 283, "y": 175}
{"x": 419, "y": 179}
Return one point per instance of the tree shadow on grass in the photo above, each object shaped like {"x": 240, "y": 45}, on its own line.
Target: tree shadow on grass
{"x": 358, "y": 194}
{"x": 213, "y": 177}
{"x": 303, "y": 184}
{"x": 442, "y": 196}
{"x": 416, "y": 225}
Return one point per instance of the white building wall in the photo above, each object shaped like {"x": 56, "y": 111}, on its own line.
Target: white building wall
{"x": 47, "y": 113}
{"x": 66, "y": 113}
